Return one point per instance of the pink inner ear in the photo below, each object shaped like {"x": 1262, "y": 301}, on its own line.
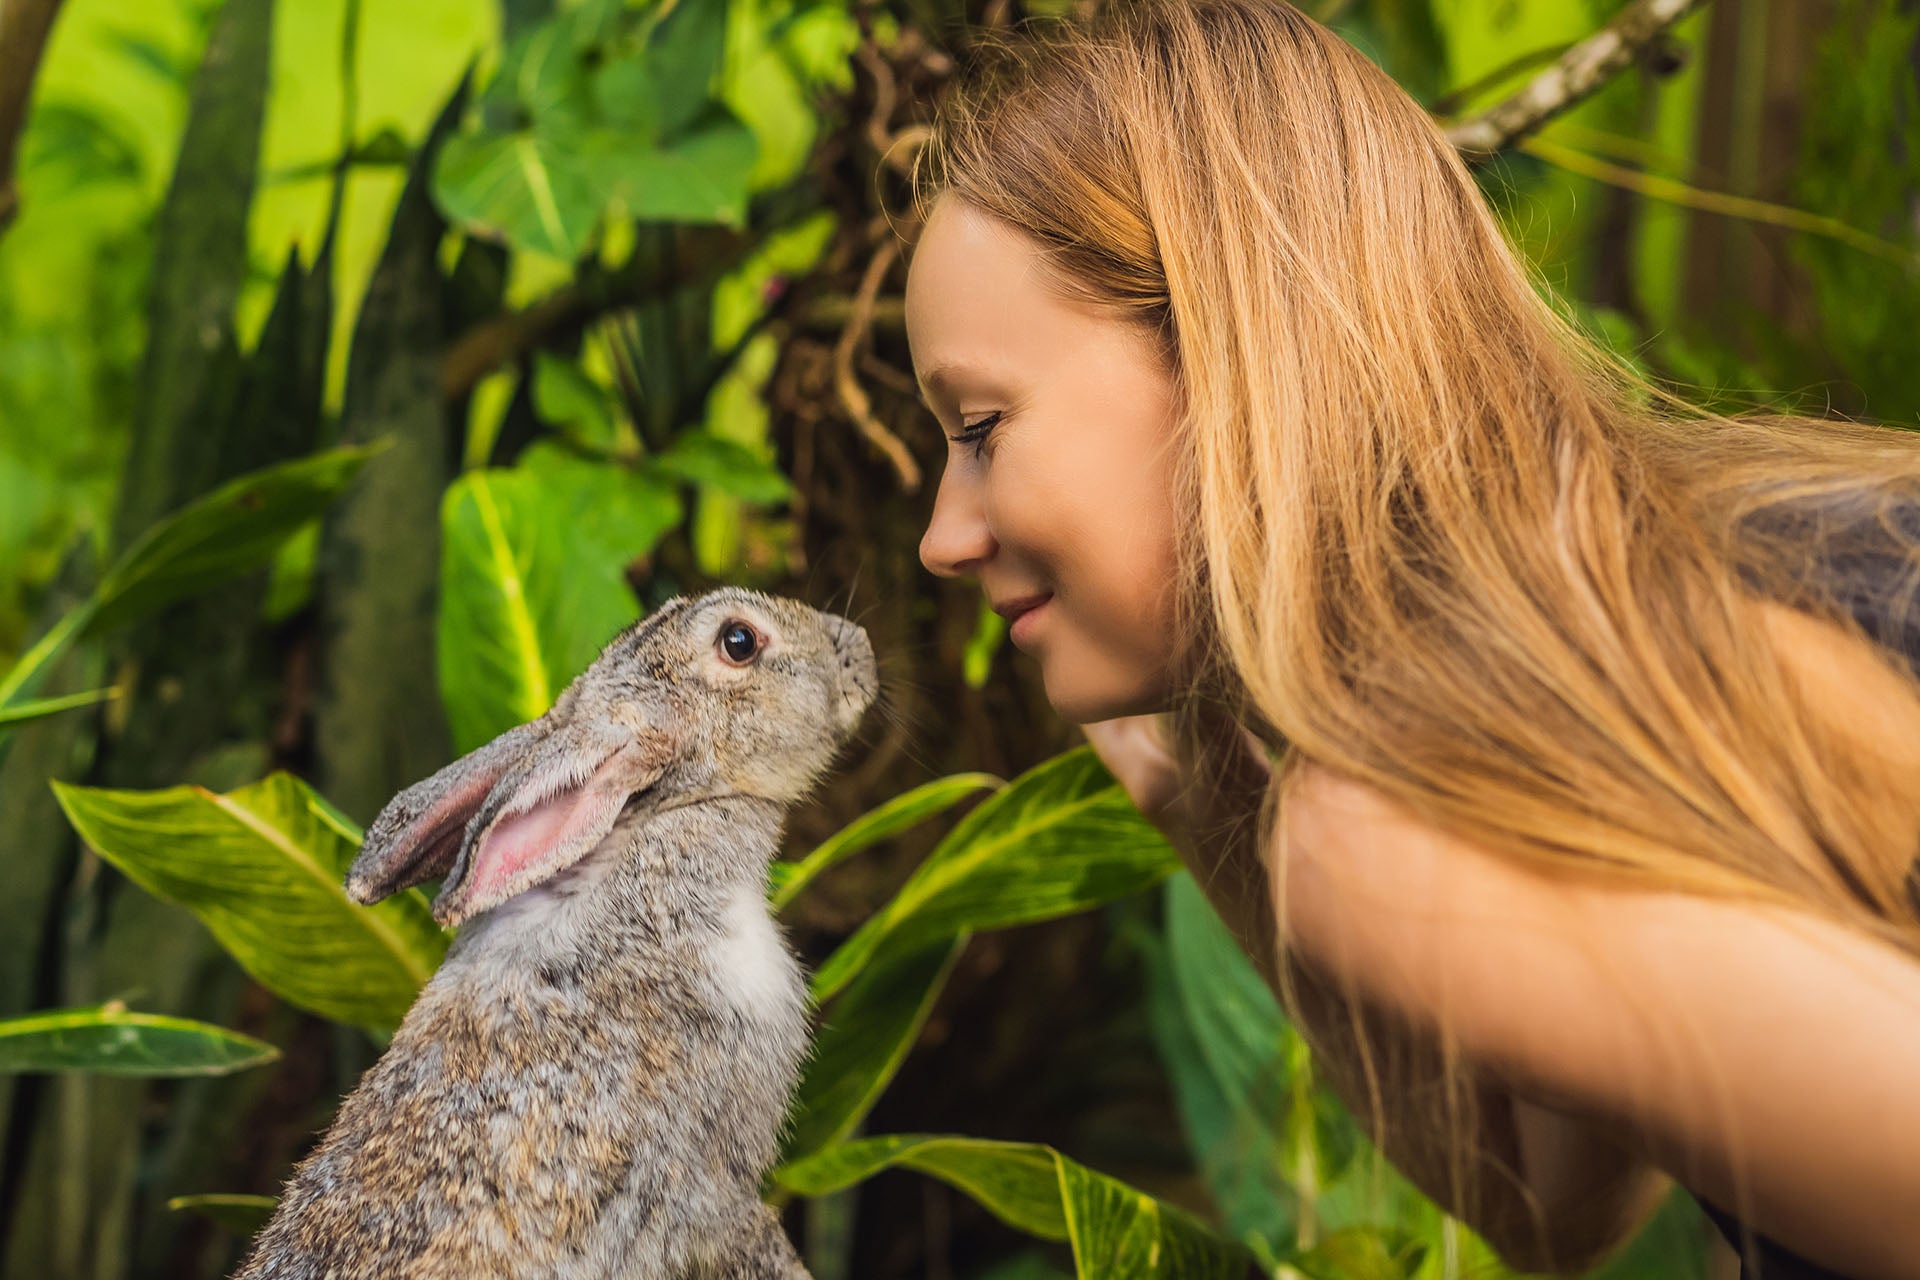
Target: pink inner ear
{"x": 527, "y": 847}
{"x": 541, "y": 839}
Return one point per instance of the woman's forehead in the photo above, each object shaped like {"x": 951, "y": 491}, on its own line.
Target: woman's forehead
{"x": 978, "y": 308}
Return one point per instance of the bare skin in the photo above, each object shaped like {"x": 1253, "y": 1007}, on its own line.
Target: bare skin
{"x": 1596, "y": 1092}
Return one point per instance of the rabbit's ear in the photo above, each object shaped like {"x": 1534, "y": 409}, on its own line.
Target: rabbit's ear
{"x": 418, "y": 835}
{"x": 547, "y": 815}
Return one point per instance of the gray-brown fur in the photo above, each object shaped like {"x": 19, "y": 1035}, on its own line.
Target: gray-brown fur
{"x": 595, "y": 1081}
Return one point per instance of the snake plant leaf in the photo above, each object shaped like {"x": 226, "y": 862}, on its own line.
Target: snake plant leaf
{"x": 262, "y": 867}
{"x": 110, "y": 1039}
{"x": 1060, "y": 838}
{"x": 883, "y": 821}
{"x": 1114, "y": 1230}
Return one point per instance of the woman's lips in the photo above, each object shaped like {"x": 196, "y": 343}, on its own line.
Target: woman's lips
{"x": 1025, "y": 621}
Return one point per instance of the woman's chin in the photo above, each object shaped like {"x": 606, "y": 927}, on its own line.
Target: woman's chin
{"x": 1090, "y": 704}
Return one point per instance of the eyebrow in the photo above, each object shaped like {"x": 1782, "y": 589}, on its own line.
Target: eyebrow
{"x": 940, "y": 375}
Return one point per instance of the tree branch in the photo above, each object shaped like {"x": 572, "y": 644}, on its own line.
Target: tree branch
{"x": 1574, "y": 77}
{"x": 24, "y": 25}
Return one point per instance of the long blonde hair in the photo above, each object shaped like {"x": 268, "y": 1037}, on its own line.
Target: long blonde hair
{"x": 1443, "y": 542}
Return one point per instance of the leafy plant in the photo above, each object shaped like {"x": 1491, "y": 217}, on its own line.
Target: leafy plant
{"x": 110, "y": 1039}
{"x": 240, "y": 526}
{"x": 603, "y": 107}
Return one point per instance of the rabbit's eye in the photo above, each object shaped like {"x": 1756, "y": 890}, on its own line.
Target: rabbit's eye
{"x": 739, "y": 642}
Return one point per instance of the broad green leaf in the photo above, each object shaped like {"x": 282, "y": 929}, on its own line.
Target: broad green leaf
{"x": 528, "y": 189}
{"x": 527, "y": 599}
{"x": 620, "y": 513}
{"x": 726, "y": 465}
{"x": 547, "y": 190}
{"x": 877, "y": 824}
{"x": 239, "y": 526}
{"x": 262, "y": 867}
{"x": 241, "y": 1213}
{"x": 685, "y": 50}
{"x": 566, "y": 398}
{"x": 1114, "y": 1230}
{"x": 108, "y": 1039}
{"x": 698, "y": 177}
{"x": 1061, "y": 838}
{"x": 1018, "y": 1181}
{"x": 1237, "y": 1023}
{"x": 864, "y": 1036}
{"x": 1238, "y": 1153}
{"x": 1119, "y": 1233}
{"x": 1270, "y": 1139}
{"x": 40, "y": 708}
{"x": 583, "y": 119}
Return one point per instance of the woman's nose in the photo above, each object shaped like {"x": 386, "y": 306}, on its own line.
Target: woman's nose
{"x": 957, "y": 539}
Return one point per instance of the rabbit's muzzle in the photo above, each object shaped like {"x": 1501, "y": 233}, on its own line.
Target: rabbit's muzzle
{"x": 859, "y": 676}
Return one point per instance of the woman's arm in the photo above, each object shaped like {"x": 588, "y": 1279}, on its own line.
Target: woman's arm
{"x": 1551, "y": 1193}
{"x": 1755, "y": 1051}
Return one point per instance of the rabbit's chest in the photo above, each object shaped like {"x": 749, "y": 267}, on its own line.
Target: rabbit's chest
{"x": 752, "y": 966}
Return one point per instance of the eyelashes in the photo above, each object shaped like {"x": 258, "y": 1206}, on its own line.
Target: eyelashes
{"x": 976, "y": 433}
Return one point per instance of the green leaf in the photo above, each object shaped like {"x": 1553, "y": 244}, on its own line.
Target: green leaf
{"x": 528, "y": 597}
{"x": 698, "y": 177}
{"x": 40, "y": 708}
{"x": 1234, "y": 1145}
{"x": 1061, "y": 838}
{"x": 685, "y": 50}
{"x": 107, "y": 1039}
{"x": 262, "y": 867}
{"x": 1269, "y": 1138}
{"x": 1236, "y": 1021}
{"x": 726, "y": 465}
{"x": 1119, "y": 1233}
{"x": 239, "y": 526}
{"x": 1017, "y": 1181}
{"x": 240, "y": 1213}
{"x": 546, "y": 189}
{"x": 877, "y": 824}
{"x": 989, "y": 632}
{"x": 863, "y": 1039}
{"x": 1361, "y": 1253}
{"x": 619, "y": 513}
{"x": 1114, "y": 1229}
{"x": 525, "y": 188}
{"x": 565, "y": 397}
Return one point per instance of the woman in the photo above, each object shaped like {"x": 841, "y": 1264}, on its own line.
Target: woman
{"x": 1546, "y": 741}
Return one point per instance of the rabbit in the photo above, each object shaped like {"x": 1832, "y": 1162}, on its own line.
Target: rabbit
{"x": 596, "y": 1080}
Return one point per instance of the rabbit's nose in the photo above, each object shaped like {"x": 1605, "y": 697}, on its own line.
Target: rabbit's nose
{"x": 855, "y": 652}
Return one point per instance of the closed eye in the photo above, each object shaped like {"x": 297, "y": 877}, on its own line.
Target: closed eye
{"x": 976, "y": 432}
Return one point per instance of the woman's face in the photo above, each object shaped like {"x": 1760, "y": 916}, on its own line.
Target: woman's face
{"x": 1067, "y": 495}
